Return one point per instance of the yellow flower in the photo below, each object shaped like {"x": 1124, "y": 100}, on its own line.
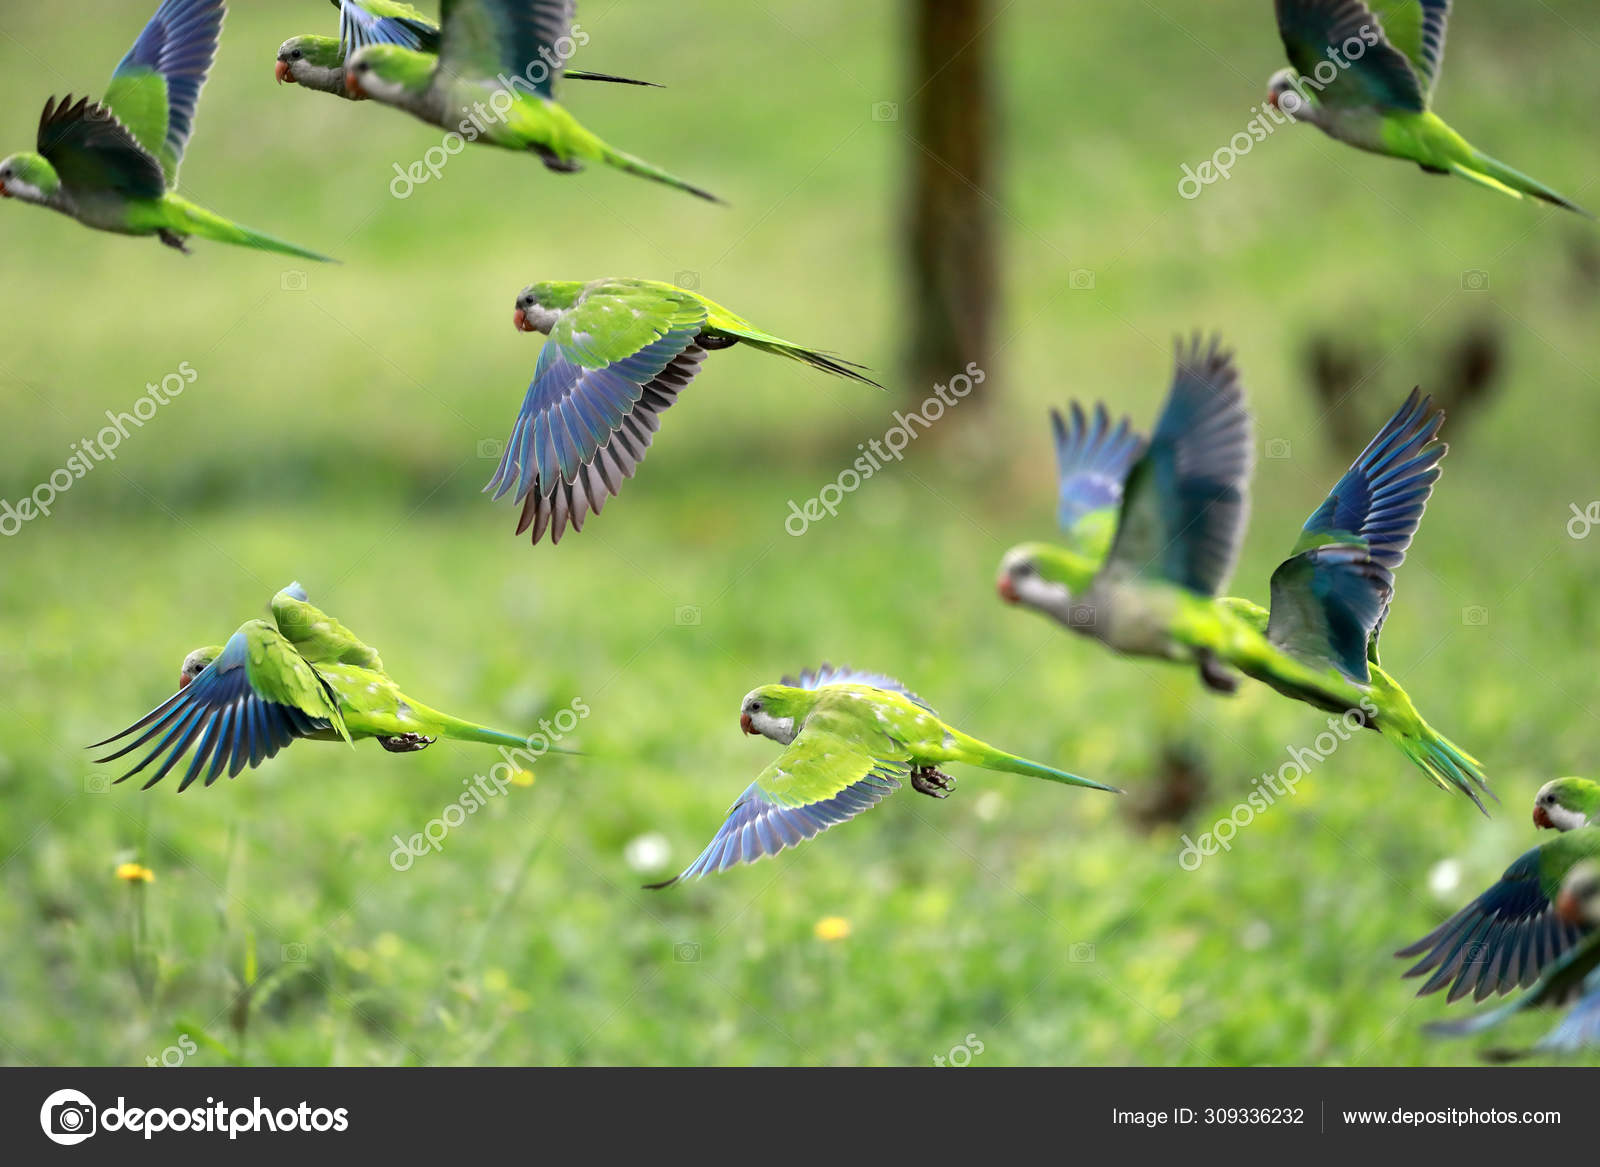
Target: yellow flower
{"x": 831, "y": 928}
{"x": 135, "y": 873}
{"x": 522, "y": 778}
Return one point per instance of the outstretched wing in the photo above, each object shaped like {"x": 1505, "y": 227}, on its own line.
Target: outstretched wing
{"x": 845, "y": 675}
{"x": 244, "y": 707}
{"x": 384, "y": 22}
{"x": 613, "y": 363}
{"x": 1093, "y": 458}
{"x": 1314, "y": 31}
{"x": 1417, "y": 28}
{"x": 1184, "y": 512}
{"x": 94, "y": 153}
{"x": 156, "y": 88}
{"x": 518, "y": 37}
{"x": 1565, "y": 980}
{"x": 822, "y": 779}
{"x": 1510, "y": 934}
{"x": 1330, "y": 598}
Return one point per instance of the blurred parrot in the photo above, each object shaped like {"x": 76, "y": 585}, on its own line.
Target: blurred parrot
{"x": 1364, "y": 75}
{"x": 494, "y": 52}
{"x": 1512, "y": 933}
{"x": 620, "y": 351}
{"x": 317, "y": 62}
{"x": 301, "y": 674}
{"x": 1318, "y": 643}
{"x": 1575, "y": 975}
{"x": 849, "y": 738}
{"x": 1567, "y": 804}
{"x": 114, "y": 165}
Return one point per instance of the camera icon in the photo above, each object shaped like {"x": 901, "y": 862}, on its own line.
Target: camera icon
{"x": 1475, "y": 280}
{"x": 689, "y": 281}
{"x": 1475, "y": 616}
{"x": 491, "y": 449}
{"x": 1081, "y": 953}
{"x": 96, "y": 784}
{"x": 687, "y": 616}
{"x": 1280, "y": 449}
{"x": 1084, "y": 616}
{"x": 1476, "y": 953}
{"x": 1081, "y": 280}
{"x": 293, "y": 954}
{"x": 687, "y": 952}
{"x": 886, "y": 111}
{"x": 68, "y": 1117}
{"x": 293, "y": 281}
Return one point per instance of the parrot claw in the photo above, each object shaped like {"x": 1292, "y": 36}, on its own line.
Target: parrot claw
{"x": 406, "y": 743}
{"x": 932, "y": 782}
{"x": 174, "y": 240}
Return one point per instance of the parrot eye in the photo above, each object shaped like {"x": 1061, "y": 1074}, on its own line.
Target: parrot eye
{"x": 296, "y": 55}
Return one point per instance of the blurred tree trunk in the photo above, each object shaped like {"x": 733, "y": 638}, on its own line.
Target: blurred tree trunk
{"x": 950, "y": 231}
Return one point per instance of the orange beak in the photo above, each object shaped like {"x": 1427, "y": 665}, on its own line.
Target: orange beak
{"x": 1542, "y": 820}
{"x": 183, "y": 680}
{"x": 1272, "y": 100}
{"x": 520, "y": 319}
{"x": 745, "y": 724}
{"x": 353, "y": 85}
{"x": 4, "y": 193}
{"x": 1567, "y": 907}
{"x": 283, "y": 73}
{"x": 1007, "y": 590}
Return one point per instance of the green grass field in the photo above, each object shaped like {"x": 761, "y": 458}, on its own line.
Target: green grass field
{"x": 337, "y": 430}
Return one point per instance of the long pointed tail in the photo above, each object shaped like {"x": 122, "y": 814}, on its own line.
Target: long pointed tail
{"x": 203, "y": 223}
{"x": 465, "y": 731}
{"x": 1011, "y": 764}
{"x": 1493, "y": 173}
{"x": 584, "y": 75}
{"x": 1449, "y": 766}
{"x": 777, "y": 346}
{"x": 643, "y": 169}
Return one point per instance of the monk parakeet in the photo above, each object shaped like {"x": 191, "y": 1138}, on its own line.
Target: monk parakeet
{"x": 1574, "y": 976}
{"x": 494, "y": 74}
{"x": 849, "y": 738}
{"x": 1318, "y": 643}
{"x": 300, "y": 674}
{"x": 1364, "y": 74}
{"x": 620, "y": 351}
{"x": 1567, "y": 804}
{"x": 113, "y": 166}
{"x": 1508, "y": 936}
{"x": 317, "y": 62}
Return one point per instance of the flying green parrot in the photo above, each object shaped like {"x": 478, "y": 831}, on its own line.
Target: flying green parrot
{"x": 1574, "y": 976}
{"x": 620, "y": 351}
{"x": 113, "y": 165}
{"x": 494, "y": 81}
{"x": 317, "y": 62}
{"x": 1364, "y": 74}
{"x": 849, "y": 738}
{"x": 301, "y": 674}
{"x": 1508, "y": 936}
{"x": 1567, "y": 804}
{"x": 1318, "y": 643}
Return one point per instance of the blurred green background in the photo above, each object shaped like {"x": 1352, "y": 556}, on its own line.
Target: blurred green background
{"x": 337, "y": 433}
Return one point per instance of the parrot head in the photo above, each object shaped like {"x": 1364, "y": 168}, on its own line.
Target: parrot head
{"x": 1041, "y": 577}
{"x": 1579, "y": 901}
{"x": 775, "y": 711}
{"x": 387, "y": 73}
{"x": 313, "y": 61}
{"x": 538, "y": 308}
{"x": 1285, "y": 95}
{"x": 1566, "y": 804}
{"x": 196, "y": 663}
{"x": 28, "y": 177}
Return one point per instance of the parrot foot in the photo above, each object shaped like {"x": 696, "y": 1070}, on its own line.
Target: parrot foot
{"x": 1216, "y": 675}
{"x": 174, "y": 240}
{"x": 932, "y": 782}
{"x": 553, "y": 161}
{"x": 406, "y": 743}
{"x": 713, "y": 341}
